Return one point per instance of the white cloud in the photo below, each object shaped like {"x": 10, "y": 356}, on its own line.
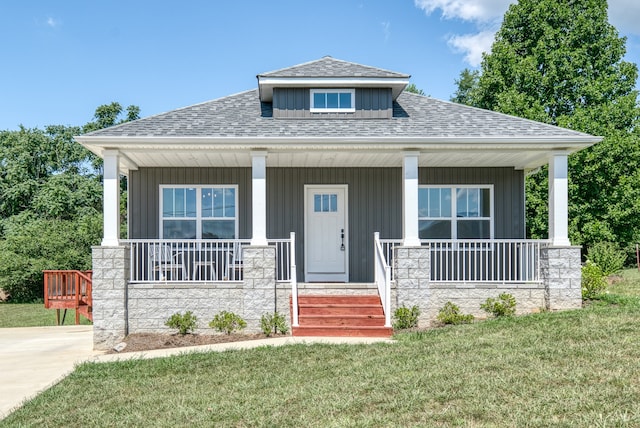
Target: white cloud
{"x": 478, "y": 11}
{"x": 472, "y": 45}
{"x": 386, "y": 29}
{"x": 487, "y": 16}
{"x": 53, "y": 23}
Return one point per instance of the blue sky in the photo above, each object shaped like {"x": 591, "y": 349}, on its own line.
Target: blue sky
{"x": 61, "y": 59}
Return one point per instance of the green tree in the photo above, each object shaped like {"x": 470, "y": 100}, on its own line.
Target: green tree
{"x": 50, "y": 202}
{"x": 561, "y": 62}
{"x": 411, "y": 87}
{"x": 467, "y": 83}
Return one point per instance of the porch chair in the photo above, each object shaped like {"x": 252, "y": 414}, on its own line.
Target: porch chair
{"x": 234, "y": 262}
{"x": 205, "y": 261}
{"x": 166, "y": 263}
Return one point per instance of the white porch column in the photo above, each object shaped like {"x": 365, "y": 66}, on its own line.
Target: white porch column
{"x": 559, "y": 200}
{"x": 111, "y": 199}
{"x": 410, "y": 199}
{"x": 259, "y": 197}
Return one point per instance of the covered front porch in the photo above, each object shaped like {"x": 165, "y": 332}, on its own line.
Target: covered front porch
{"x": 265, "y": 266}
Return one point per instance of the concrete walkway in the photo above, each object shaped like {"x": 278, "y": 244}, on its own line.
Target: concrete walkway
{"x": 35, "y": 358}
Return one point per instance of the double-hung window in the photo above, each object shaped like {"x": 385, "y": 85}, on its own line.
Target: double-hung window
{"x": 333, "y": 100}
{"x": 198, "y": 212}
{"x": 455, "y": 212}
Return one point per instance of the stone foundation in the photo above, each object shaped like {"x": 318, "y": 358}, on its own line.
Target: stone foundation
{"x": 109, "y": 293}
{"x": 121, "y": 308}
{"x": 560, "y": 288}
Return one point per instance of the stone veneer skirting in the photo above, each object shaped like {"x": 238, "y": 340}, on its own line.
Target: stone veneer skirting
{"x": 120, "y": 308}
{"x": 559, "y": 288}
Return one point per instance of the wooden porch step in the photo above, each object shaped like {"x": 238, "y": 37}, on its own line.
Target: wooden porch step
{"x": 343, "y": 320}
{"x": 341, "y": 315}
{"x": 342, "y": 331}
{"x": 340, "y": 309}
{"x": 86, "y": 311}
{"x": 315, "y": 299}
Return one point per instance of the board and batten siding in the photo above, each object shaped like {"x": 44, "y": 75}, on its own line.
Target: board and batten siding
{"x": 374, "y": 202}
{"x": 370, "y": 103}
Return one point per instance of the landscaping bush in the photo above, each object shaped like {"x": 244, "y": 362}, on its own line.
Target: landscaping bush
{"x": 184, "y": 323}
{"x": 405, "y": 318}
{"x": 227, "y": 322}
{"x": 273, "y": 323}
{"x": 450, "y": 314}
{"x": 503, "y": 306}
{"x": 607, "y": 256}
{"x": 593, "y": 280}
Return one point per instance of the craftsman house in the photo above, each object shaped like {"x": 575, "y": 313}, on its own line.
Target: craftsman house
{"x": 330, "y": 195}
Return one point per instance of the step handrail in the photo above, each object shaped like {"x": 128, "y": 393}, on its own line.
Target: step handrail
{"x": 382, "y": 278}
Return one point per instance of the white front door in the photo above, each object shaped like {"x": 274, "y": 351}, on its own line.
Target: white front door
{"x": 326, "y": 246}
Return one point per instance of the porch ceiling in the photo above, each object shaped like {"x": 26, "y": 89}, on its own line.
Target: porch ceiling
{"x": 524, "y": 154}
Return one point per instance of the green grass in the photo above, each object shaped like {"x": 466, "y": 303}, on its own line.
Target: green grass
{"x": 571, "y": 369}
{"x": 33, "y": 315}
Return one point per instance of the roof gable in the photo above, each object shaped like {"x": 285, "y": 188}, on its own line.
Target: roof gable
{"x": 332, "y": 67}
{"x": 328, "y": 72}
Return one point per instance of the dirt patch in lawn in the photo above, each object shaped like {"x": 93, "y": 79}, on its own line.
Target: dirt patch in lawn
{"x": 148, "y": 341}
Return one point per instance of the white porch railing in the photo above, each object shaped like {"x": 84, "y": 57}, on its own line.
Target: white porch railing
{"x": 198, "y": 260}
{"x": 496, "y": 260}
{"x": 383, "y": 278}
{"x": 504, "y": 261}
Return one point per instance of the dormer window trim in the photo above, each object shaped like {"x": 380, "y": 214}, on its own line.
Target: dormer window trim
{"x": 339, "y": 100}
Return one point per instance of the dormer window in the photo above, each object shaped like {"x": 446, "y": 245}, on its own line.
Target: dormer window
{"x": 333, "y": 100}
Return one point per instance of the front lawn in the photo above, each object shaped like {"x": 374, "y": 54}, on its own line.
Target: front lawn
{"x": 33, "y": 315}
{"x": 576, "y": 368}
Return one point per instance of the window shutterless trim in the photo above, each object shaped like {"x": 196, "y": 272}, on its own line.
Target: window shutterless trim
{"x": 314, "y": 109}
{"x": 198, "y": 218}
{"x": 454, "y": 218}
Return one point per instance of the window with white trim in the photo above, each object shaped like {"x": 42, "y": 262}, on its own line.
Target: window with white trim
{"x": 333, "y": 100}
{"x": 455, "y": 212}
{"x": 198, "y": 212}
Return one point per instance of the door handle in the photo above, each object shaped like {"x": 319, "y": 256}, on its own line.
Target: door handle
{"x": 342, "y": 238}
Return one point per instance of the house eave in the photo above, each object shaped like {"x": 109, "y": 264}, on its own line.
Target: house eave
{"x": 266, "y": 84}
{"x": 569, "y": 143}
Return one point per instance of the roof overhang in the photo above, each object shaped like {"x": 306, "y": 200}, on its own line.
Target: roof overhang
{"x": 266, "y": 84}
{"x": 518, "y": 152}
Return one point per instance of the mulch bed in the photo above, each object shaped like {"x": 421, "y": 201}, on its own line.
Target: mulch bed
{"x": 148, "y": 341}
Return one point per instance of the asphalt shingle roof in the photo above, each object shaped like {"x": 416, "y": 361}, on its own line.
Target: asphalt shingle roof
{"x": 243, "y": 115}
{"x": 331, "y": 67}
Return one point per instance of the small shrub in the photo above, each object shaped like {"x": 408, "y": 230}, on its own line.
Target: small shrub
{"x": 593, "y": 280}
{"x": 273, "y": 323}
{"x": 184, "y": 323}
{"x": 450, "y": 314}
{"x": 607, "y": 256}
{"x": 405, "y": 317}
{"x": 503, "y": 306}
{"x": 227, "y": 322}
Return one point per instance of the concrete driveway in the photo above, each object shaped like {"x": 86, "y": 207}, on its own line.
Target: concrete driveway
{"x": 34, "y": 358}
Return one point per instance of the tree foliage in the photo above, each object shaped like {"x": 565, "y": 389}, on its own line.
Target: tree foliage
{"x": 50, "y": 202}
{"x": 561, "y": 62}
{"x": 411, "y": 87}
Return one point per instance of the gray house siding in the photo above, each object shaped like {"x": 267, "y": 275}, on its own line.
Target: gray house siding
{"x": 374, "y": 202}
{"x": 370, "y": 103}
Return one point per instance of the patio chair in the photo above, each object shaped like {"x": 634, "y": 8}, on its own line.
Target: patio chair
{"x": 234, "y": 262}
{"x": 166, "y": 262}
